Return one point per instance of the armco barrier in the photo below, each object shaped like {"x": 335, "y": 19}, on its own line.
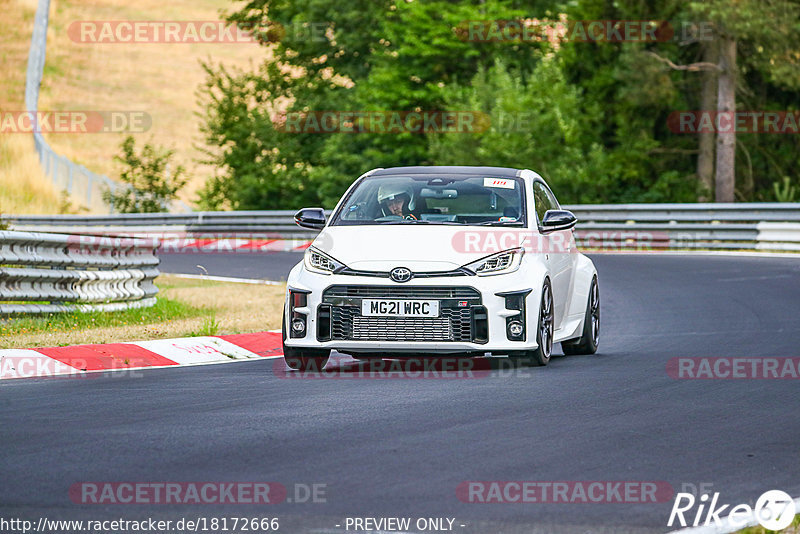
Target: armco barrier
{"x": 743, "y": 226}
{"x": 46, "y": 273}
{"x": 732, "y": 226}
{"x": 266, "y": 224}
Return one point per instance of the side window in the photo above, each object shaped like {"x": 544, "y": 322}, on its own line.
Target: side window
{"x": 544, "y": 200}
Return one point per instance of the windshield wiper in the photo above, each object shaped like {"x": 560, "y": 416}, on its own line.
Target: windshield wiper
{"x": 424, "y": 221}
{"x": 498, "y": 223}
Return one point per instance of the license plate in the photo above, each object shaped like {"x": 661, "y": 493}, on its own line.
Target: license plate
{"x": 399, "y": 308}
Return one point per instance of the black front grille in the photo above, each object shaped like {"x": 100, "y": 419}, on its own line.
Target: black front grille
{"x": 453, "y": 325}
{"x": 461, "y": 314}
{"x": 402, "y": 292}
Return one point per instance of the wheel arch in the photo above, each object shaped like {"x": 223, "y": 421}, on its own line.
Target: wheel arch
{"x": 539, "y": 274}
{"x": 585, "y": 272}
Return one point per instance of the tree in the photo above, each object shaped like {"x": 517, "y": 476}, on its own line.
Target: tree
{"x": 768, "y": 31}
{"x": 534, "y": 122}
{"x": 359, "y": 56}
{"x": 625, "y": 100}
{"x": 601, "y": 109}
{"x": 149, "y": 185}
{"x": 257, "y": 165}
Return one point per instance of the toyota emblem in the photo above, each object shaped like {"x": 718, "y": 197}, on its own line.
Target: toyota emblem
{"x": 400, "y": 274}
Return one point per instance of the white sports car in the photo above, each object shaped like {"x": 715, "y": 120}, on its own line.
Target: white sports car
{"x": 479, "y": 261}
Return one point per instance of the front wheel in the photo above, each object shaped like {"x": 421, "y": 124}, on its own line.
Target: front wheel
{"x": 544, "y": 332}
{"x": 590, "y": 338}
{"x": 302, "y": 359}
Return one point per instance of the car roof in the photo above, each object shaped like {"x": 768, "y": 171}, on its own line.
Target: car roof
{"x": 459, "y": 169}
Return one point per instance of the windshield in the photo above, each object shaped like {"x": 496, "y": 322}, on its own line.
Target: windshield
{"x": 463, "y": 199}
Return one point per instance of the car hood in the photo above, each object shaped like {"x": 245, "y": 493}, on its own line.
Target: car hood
{"x": 418, "y": 247}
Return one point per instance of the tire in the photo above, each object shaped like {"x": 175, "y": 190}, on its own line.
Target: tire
{"x": 544, "y": 333}
{"x": 587, "y": 343}
{"x": 302, "y": 359}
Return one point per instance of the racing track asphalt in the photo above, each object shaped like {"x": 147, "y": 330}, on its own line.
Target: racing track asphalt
{"x": 400, "y": 447}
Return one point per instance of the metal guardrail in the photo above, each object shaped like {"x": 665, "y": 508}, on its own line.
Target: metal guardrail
{"x": 730, "y": 226}
{"x": 753, "y": 226}
{"x": 266, "y": 224}
{"x": 49, "y": 273}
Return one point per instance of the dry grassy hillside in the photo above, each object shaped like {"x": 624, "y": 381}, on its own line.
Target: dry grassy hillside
{"x": 23, "y": 186}
{"x": 159, "y": 79}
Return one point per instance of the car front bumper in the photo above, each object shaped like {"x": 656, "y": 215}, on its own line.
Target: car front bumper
{"x": 474, "y": 313}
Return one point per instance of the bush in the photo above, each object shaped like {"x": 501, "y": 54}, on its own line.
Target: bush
{"x": 150, "y": 187}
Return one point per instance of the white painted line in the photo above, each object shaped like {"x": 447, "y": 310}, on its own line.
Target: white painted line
{"x": 727, "y": 526}
{"x": 193, "y": 350}
{"x": 225, "y": 279}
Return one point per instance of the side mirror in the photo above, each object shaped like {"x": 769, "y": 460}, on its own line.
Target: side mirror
{"x": 558, "y": 220}
{"x": 310, "y": 218}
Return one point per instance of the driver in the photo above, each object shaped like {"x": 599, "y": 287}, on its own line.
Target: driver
{"x": 396, "y": 199}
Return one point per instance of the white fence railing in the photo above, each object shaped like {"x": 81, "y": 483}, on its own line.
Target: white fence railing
{"x": 754, "y": 226}
{"x": 49, "y": 273}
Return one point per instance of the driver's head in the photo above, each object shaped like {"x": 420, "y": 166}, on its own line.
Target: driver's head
{"x": 394, "y": 199}
{"x": 395, "y": 204}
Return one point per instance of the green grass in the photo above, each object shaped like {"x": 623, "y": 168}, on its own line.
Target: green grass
{"x": 210, "y": 327}
{"x": 185, "y": 308}
{"x": 163, "y": 311}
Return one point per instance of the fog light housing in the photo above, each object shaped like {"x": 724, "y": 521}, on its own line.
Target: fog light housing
{"x": 298, "y": 298}
{"x": 298, "y": 326}
{"x": 515, "y": 323}
{"x": 515, "y": 329}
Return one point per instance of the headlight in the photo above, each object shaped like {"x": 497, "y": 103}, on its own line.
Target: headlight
{"x": 501, "y": 263}
{"x": 319, "y": 262}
